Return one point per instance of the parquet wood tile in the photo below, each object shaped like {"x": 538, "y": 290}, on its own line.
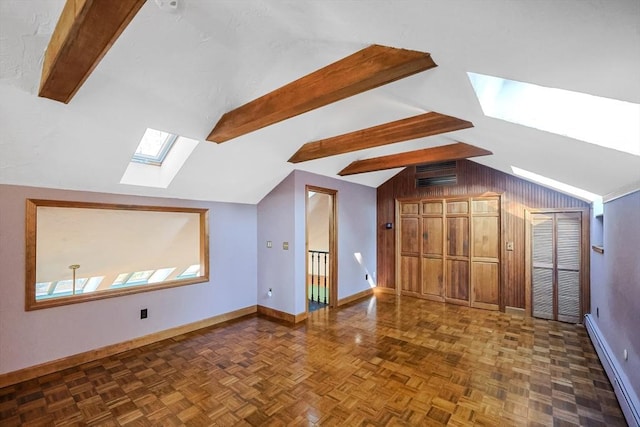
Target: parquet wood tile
{"x": 383, "y": 361}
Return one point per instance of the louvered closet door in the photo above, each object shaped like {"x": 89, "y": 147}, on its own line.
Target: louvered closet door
{"x": 542, "y": 266}
{"x": 568, "y": 228}
{"x": 555, "y": 276}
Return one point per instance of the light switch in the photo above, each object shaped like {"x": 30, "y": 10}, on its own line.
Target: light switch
{"x": 285, "y": 246}
{"x": 269, "y": 244}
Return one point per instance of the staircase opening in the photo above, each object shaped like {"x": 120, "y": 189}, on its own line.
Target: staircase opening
{"x": 321, "y": 253}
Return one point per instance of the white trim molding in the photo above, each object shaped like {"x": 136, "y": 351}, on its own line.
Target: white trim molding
{"x": 621, "y": 385}
{"x": 621, "y": 192}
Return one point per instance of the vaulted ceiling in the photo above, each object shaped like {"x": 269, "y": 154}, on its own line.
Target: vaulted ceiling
{"x": 182, "y": 71}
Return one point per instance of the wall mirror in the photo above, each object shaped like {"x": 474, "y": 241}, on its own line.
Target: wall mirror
{"x": 79, "y": 251}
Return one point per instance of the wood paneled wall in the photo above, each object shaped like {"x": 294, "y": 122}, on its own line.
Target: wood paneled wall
{"x": 473, "y": 180}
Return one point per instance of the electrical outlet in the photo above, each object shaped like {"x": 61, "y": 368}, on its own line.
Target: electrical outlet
{"x": 269, "y": 244}
{"x": 285, "y": 246}
{"x": 143, "y": 313}
{"x": 509, "y": 246}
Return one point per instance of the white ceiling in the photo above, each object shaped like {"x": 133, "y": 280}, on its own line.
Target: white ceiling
{"x": 179, "y": 72}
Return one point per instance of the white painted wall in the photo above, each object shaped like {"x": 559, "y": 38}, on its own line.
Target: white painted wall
{"x": 180, "y": 72}
{"x": 242, "y": 269}
{"x": 34, "y": 337}
{"x": 281, "y": 217}
{"x": 275, "y": 265}
{"x": 615, "y": 283}
{"x": 319, "y": 206}
{"x": 106, "y": 242}
{"x": 318, "y": 230}
{"x": 356, "y": 235}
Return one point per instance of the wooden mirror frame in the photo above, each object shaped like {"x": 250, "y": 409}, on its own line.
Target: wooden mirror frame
{"x": 31, "y": 249}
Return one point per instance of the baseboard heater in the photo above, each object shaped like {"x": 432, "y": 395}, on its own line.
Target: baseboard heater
{"x": 621, "y": 385}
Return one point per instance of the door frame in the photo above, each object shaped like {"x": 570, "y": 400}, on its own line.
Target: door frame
{"x": 585, "y": 266}
{"x": 396, "y": 240}
{"x": 333, "y": 244}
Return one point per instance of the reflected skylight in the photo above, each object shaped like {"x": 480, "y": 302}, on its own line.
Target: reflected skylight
{"x": 139, "y": 277}
{"x": 129, "y": 279}
{"x": 153, "y": 147}
{"x": 92, "y": 284}
{"x": 603, "y": 121}
{"x": 42, "y": 289}
{"x": 161, "y": 275}
{"x": 557, "y": 185}
{"x": 122, "y": 277}
{"x": 65, "y": 287}
{"x": 192, "y": 271}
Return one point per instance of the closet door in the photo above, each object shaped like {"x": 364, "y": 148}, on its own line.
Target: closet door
{"x": 542, "y": 266}
{"x": 457, "y": 252}
{"x": 555, "y": 266}
{"x": 433, "y": 250}
{"x": 568, "y": 243}
{"x": 409, "y": 233}
{"x": 485, "y": 253}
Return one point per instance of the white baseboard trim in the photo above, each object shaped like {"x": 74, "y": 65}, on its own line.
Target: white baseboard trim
{"x": 621, "y": 385}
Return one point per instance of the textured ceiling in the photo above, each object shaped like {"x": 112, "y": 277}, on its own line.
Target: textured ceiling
{"x": 181, "y": 71}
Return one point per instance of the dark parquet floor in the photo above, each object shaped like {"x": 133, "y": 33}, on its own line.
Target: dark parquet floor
{"x": 383, "y": 361}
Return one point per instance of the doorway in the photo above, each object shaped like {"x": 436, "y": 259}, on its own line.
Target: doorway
{"x": 556, "y": 265}
{"x": 321, "y": 248}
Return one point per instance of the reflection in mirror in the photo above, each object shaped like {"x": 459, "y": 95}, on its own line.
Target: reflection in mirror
{"x": 85, "y": 251}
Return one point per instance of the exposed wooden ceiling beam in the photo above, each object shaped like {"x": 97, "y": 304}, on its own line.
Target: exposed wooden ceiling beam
{"x": 83, "y": 35}
{"x": 456, "y": 151}
{"x": 427, "y": 124}
{"x": 366, "y": 69}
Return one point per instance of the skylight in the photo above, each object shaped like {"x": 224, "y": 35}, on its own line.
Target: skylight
{"x": 603, "y": 121}
{"x": 153, "y": 147}
{"x": 158, "y": 159}
{"x": 557, "y": 185}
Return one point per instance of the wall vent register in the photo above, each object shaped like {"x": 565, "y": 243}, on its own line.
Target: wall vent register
{"x": 436, "y": 180}
{"x": 436, "y": 167}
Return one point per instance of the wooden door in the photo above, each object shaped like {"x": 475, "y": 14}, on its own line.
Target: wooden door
{"x": 556, "y": 266}
{"x": 449, "y": 250}
{"x": 409, "y": 236}
{"x": 485, "y": 253}
{"x": 457, "y": 252}
{"x": 432, "y": 250}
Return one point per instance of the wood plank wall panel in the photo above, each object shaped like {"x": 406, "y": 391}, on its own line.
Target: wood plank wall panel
{"x": 473, "y": 180}
{"x": 483, "y": 273}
